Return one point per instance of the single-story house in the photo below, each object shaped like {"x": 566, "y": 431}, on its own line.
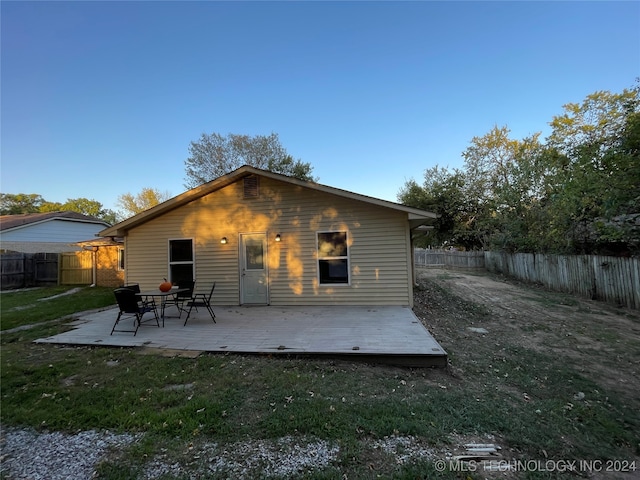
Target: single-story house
{"x": 107, "y": 260}
{"x": 270, "y": 239}
{"x": 51, "y": 232}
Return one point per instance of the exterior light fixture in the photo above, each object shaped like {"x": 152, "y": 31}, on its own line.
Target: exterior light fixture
{"x": 278, "y": 238}
{"x": 223, "y": 240}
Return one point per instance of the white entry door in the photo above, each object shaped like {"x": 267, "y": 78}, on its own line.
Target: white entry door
{"x": 254, "y": 285}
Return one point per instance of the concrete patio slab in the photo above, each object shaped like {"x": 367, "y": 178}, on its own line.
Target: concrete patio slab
{"x": 375, "y": 334}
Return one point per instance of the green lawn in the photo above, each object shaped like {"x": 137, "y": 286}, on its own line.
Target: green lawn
{"x": 25, "y": 307}
{"x": 183, "y": 403}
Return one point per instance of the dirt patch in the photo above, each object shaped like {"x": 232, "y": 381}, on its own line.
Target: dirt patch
{"x": 600, "y": 340}
{"x": 489, "y": 323}
{"x": 63, "y": 294}
{"x": 169, "y": 352}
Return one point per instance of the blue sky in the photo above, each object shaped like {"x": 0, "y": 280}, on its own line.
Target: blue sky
{"x": 103, "y": 98}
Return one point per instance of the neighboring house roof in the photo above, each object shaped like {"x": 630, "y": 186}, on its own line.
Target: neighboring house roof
{"x": 415, "y": 216}
{"x": 103, "y": 242}
{"x": 14, "y": 222}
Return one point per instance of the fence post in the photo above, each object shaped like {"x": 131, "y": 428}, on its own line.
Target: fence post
{"x": 29, "y": 270}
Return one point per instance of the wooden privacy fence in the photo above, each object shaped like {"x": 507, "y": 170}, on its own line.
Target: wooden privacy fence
{"x": 448, "y": 258}
{"x": 76, "y": 268}
{"x": 20, "y": 270}
{"x": 612, "y": 279}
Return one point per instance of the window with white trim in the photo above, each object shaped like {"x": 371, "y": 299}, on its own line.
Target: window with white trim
{"x": 333, "y": 258}
{"x": 181, "y": 263}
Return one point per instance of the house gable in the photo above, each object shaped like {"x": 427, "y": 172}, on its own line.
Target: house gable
{"x": 416, "y": 216}
{"x": 54, "y": 230}
{"x": 47, "y": 232}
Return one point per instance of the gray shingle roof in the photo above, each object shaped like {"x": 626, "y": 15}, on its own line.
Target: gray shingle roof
{"x": 8, "y": 222}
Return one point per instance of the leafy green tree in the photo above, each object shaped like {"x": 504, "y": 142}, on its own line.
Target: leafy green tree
{"x": 130, "y": 205}
{"x": 596, "y": 171}
{"x": 214, "y": 155}
{"x": 485, "y": 203}
{"x": 442, "y": 192}
{"x": 14, "y": 204}
{"x": 579, "y": 192}
{"x": 506, "y": 177}
{"x": 51, "y": 207}
{"x": 85, "y": 206}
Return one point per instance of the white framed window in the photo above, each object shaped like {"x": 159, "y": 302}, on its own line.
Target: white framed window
{"x": 333, "y": 258}
{"x": 121, "y": 259}
{"x": 181, "y": 260}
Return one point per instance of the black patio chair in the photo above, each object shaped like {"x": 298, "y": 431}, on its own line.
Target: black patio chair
{"x": 201, "y": 300}
{"x": 133, "y": 286}
{"x": 132, "y": 306}
{"x": 136, "y": 288}
{"x": 180, "y": 298}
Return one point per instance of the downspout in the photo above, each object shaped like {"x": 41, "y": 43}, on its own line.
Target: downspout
{"x": 94, "y": 266}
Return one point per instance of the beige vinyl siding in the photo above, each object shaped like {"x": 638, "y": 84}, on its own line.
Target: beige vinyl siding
{"x": 379, "y": 257}
{"x": 377, "y": 251}
{"x": 147, "y": 251}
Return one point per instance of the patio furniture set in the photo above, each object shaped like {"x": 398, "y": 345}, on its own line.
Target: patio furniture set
{"x": 134, "y": 304}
